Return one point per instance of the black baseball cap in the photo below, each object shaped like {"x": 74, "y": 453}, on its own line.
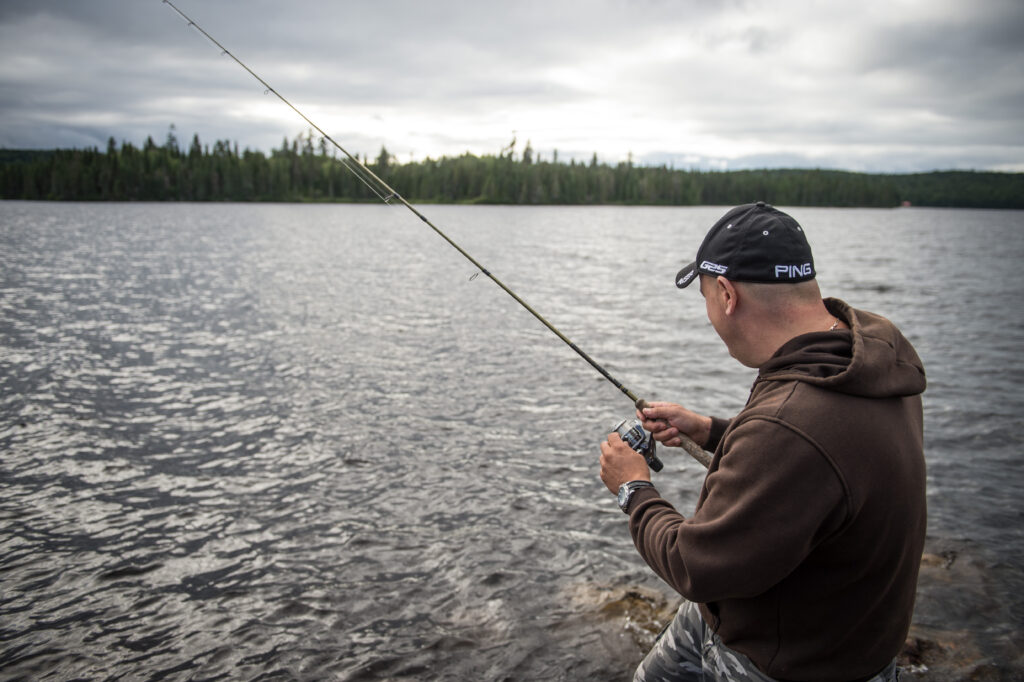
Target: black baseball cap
{"x": 753, "y": 243}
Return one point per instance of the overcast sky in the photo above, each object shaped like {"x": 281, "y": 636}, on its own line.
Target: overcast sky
{"x": 876, "y": 85}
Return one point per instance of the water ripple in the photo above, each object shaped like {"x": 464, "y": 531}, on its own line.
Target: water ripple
{"x": 266, "y": 442}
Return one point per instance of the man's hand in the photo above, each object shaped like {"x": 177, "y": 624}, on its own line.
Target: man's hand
{"x": 621, "y": 463}
{"x": 666, "y": 421}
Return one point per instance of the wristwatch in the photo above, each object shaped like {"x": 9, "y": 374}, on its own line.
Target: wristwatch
{"x": 626, "y": 491}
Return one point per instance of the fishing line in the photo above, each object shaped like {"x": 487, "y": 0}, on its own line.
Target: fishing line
{"x": 387, "y": 194}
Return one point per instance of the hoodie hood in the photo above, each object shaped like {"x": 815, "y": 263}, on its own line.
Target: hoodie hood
{"x": 872, "y": 359}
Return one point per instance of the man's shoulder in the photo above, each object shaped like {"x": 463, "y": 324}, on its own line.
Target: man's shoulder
{"x": 786, "y": 398}
{"x": 806, "y": 410}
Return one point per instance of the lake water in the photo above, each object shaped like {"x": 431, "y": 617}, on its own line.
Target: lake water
{"x": 304, "y": 442}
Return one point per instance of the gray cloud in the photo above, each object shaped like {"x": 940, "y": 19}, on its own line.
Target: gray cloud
{"x": 882, "y": 86}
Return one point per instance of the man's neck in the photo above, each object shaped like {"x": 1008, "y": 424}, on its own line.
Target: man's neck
{"x": 773, "y": 331}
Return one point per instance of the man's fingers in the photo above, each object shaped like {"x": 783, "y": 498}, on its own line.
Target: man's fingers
{"x": 665, "y": 435}
{"x": 652, "y": 409}
{"x": 658, "y": 412}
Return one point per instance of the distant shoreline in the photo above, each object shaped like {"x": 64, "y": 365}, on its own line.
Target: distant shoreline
{"x": 302, "y": 172}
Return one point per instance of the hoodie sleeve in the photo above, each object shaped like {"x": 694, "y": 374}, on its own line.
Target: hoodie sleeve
{"x": 718, "y": 429}
{"x": 770, "y": 498}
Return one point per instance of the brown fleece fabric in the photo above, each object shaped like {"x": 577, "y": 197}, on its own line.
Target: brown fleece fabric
{"x": 805, "y": 544}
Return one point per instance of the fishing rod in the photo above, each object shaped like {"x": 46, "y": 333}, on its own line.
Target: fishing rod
{"x": 633, "y": 433}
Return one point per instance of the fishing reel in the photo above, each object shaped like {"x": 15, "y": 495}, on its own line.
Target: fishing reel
{"x": 634, "y": 435}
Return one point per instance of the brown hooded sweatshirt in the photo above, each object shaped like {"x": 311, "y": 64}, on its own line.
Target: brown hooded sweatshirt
{"x": 804, "y": 548}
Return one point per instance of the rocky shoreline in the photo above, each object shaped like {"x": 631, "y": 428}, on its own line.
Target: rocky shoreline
{"x": 952, "y": 586}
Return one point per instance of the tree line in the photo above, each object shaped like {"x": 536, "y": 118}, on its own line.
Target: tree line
{"x": 305, "y": 169}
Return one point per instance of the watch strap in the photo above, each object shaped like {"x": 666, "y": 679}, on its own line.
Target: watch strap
{"x": 626, "y": 491}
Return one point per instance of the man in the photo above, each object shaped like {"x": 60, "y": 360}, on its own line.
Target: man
{"x": 800, "y": 561}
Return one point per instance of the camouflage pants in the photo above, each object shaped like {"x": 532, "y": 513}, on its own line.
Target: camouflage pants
{"x": 688, "y": 651}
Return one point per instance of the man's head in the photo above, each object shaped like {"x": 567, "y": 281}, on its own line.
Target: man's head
{"x": 757, "y": 274}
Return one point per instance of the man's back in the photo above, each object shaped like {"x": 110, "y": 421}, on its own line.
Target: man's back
{"x": 801, "y": 559}
{"x": 807, "y": 538}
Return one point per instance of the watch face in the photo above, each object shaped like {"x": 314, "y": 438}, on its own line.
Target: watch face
{"x": 623, "y": 496}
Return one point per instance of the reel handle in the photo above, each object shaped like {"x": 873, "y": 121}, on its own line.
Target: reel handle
{"x": 652, "y": 458}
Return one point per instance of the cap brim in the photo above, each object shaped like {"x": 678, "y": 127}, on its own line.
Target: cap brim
{"x": 686, "y": 276}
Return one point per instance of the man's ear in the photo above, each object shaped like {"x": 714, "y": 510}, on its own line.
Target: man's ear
{"x": 727, "y": 294}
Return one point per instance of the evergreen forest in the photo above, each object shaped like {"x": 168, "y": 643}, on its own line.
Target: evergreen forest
{"x": 306, "y": 169}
